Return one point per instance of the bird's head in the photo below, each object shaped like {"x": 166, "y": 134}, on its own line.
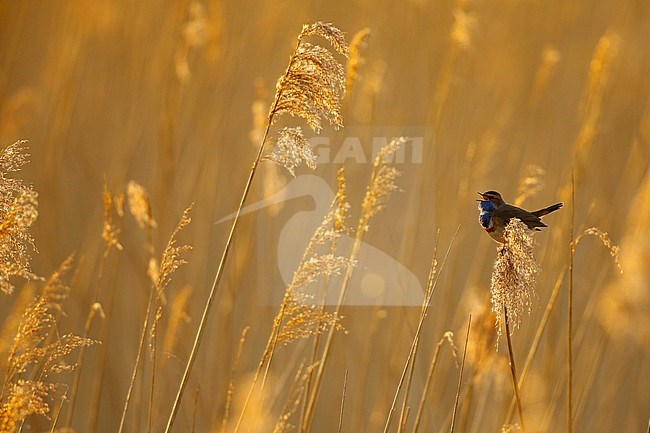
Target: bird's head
{"x": 493, "y": 197}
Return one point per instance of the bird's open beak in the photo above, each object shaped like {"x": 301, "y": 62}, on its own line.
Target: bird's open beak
{"x": 482, "y": 197}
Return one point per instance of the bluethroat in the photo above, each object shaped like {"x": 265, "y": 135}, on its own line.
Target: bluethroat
{"x": 496, "y": 213}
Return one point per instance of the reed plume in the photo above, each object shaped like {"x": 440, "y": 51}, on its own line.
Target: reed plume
{"x": 18, "y": 212}
{"x": 26, "y": 397}
{"x": 38, "y": 351}
{"x": 550, "y": 58}
{"x": 356, "y": 60}
{"x": 513, "y": 288}
{"x": 24, "y": 298}
{"x": 382, "y": 182}
{"x": 172, "y": 257}
{"x": 160, "y": 274}
{"x": 625, "y": 302}
{"x": 460, "y": 36}
{"x": 299, "y": 315}
{"x": 311, "y": 88}
{"x": 614, "y": 250}
{"x": 139, "y": 205}
{"x": 110, "y": 232}
{"x": 291, "y": 149}
{"x": 463, "y": 28}
{"x": 600, "y": 69}
{"x": 531, "y": 184}
{"x": 292, "y": 403}
{"x": 177, "y": 318}
{"x": 194, "y": 35}
{"x": 514, "y": 274}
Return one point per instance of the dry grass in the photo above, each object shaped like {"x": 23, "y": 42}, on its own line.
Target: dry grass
{"x": 135, "y": 109}
{"x": 514, "y": 276}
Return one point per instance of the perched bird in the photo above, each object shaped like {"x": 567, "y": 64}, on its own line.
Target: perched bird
{"x": 496, "y": 213}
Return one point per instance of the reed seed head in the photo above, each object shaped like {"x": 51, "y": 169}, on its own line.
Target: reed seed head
{"x": 300, "y": 316}
{"x": 139, "y": 205}
{"x": 37, "y": 352}
{"x": 26, "y": 397}
{"x": 614, "y": 250}
{"x": 292, "y": 149}
{"x": 531, "y": 184}
{"x": 514, "y": 274}
{"x": 18, "y": 212}
{"x": 172, "y": 257}
{"x": 314, "y": 83}
{"x": 328, "y": 31}
{"x": 463, "y": 28}
{"x": 382, "y": 181}
{"x": 110, "y": 232}
{"x": 356, "y": 60}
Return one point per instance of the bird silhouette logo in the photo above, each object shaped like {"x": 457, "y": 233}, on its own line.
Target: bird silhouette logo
{"x": 378, "y": 280}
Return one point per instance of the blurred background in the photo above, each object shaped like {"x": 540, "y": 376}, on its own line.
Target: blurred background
{"x": 515, "y": 96}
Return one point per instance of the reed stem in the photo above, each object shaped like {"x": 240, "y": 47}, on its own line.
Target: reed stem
{"x": 217, "y": 278}
{"x": 570, "y": 315}
{"x": 460, "y": 376}
{"x": 513, "y": 371}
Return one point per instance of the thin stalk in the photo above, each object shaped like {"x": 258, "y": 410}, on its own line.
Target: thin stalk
{"x": 266, "y": 355}
{"x": 258, "y": 371}
{"x": 570, "y": 314}
{"x": 537, "y": 340}
{"x": 314, "y": 352}
{"x": 362, "y": 228}
{"x": 154, "y": 339}
{"x": 427, "y": 384}
{"x": 460, "y": 377}
{"x": 138, "y": 357}
{"x": 58, "y": 412}
{"x": 136, "y": 367}
{"x": 467, "y": 404}
{"x": 86, "y": 333}
{"x": 431, "y": 287}
{"x": 513, "y": 371}
{"x": 366, "y": 357}
{"x": 345, "y": 383}
{"x": 95, "y": 399}
{"x": 217, "y": 278}
{"x": 316, "y": 342}
{"x": 404, "y": 419}
{"x": 405, "y": 409}
{"x": 215, "y": 285}
{"x": 410, "y": 367}
{"x": 196, "y": 405}
{"x": 328, "y": 342}
{"x": 275, "y": 333}
{"x": 231, "y": 386}
{"x": 276, "y": 330}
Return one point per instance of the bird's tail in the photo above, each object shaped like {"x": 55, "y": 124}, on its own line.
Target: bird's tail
{"x": 547, "y": 210}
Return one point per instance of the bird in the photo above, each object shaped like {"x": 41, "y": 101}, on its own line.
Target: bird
{"x": 495, "y": 214}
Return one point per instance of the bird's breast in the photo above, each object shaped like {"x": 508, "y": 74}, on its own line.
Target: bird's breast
{"x": 486, "y": 209}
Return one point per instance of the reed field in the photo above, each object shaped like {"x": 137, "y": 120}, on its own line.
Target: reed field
{"x": 260, "y": 216}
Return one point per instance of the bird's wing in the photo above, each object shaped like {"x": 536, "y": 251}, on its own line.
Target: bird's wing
{"x": 507, "y": 211}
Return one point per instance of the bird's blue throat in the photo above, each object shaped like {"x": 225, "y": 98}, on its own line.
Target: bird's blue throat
{"x": 487, "y": 209}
